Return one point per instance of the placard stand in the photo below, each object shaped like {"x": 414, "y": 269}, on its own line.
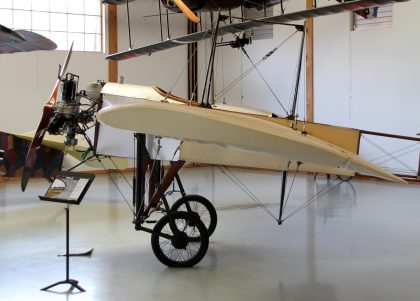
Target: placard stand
{"x": 68, "y": 188}
{"x": 72, "y": 282}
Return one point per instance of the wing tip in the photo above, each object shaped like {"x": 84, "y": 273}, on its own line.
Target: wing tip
{"x": 25, "y": 179}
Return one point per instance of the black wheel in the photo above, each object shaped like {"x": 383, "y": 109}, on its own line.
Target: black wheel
{"x": 182, "y": 243}
{"x": 200, "y": 205}
{"x": 344, "y": 178}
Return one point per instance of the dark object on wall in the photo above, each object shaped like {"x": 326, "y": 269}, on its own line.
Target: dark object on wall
{"x": 22, "y": 41}
{"x": 48, "y": 163}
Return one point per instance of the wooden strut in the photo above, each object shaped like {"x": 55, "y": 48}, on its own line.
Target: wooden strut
{"x": 165, "y": 183}
{"x": 309, "y": 28}
{"x": 144, "y": 162}
{"x": 192, "y": 64}
{"x": 112, "y": 42}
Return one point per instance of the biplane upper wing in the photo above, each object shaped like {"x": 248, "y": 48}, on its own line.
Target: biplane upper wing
{"x": 238, "y": 27}
{"x": 22, "y": 41}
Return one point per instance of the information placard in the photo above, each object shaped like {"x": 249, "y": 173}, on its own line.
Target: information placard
{"x": 68, "y": 187}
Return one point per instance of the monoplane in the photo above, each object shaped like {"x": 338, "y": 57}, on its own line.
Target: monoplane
{"x": 215, "y": 135}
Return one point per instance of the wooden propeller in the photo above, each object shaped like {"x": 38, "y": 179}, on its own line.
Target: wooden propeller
{"x": 187, "y": 11}
{"x": 43, "y": 124}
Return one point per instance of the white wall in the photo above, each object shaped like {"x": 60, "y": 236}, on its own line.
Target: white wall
{"x": 369, "y": 78}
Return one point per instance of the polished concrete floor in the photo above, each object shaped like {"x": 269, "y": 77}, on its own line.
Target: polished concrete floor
{"x": 359, "y": 241}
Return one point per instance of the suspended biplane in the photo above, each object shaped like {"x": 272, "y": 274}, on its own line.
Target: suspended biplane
{"x": 222, "y": 135}
{"x": 188, "y": 6}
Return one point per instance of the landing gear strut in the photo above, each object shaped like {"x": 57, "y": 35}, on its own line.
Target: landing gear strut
{"x": 181, "y": 237}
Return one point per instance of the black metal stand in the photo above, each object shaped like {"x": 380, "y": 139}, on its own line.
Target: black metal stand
{"x": 72, "y": 282}
{"x": 283, "y": 192}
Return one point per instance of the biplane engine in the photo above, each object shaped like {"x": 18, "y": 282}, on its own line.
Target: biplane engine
{"x": 69, "y": 119}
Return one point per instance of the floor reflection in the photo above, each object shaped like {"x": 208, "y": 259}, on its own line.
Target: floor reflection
{"x": 336, "y": 198}
{"x": 359, "y": 241}
{"x": 311, "y": 291}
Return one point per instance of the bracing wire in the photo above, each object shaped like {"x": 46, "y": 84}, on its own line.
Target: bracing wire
{"x": 264, "y": 80}
{"x": 391, "y": 156}
{"x": 245, "y": 189}
{"x": 315, "y": 197}
{"x": 143, "y": 16}
{"x": 228, "y": 173}
{"x": 249, "y": 70}
{"x": 120, "y": 172}
{"x": 118, "y": 188}
{"x": 397, "y": 151}
{"x": 184, "y": 68}
{"x": 400, "y": 155}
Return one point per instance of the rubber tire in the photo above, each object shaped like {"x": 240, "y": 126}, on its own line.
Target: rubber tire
{"x": 203, "y": 239}
{"x": 211, "y": 225}
{"x": 344, "y": 178}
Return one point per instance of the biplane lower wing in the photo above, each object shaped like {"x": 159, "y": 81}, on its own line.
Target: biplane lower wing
{"x": 226, "y": 129}
{"x": 238, "y": 27}
{"x": 78, "y": 153}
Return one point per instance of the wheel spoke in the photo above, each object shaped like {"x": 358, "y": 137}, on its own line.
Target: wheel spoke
{"x": 202, "y": 207}
{"x": 187, "y": 247}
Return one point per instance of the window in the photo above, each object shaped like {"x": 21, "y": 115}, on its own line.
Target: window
{"x": 62, "y": 21}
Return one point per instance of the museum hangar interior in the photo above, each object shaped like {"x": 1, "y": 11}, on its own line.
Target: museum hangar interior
{"x": 222, "y": 150}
